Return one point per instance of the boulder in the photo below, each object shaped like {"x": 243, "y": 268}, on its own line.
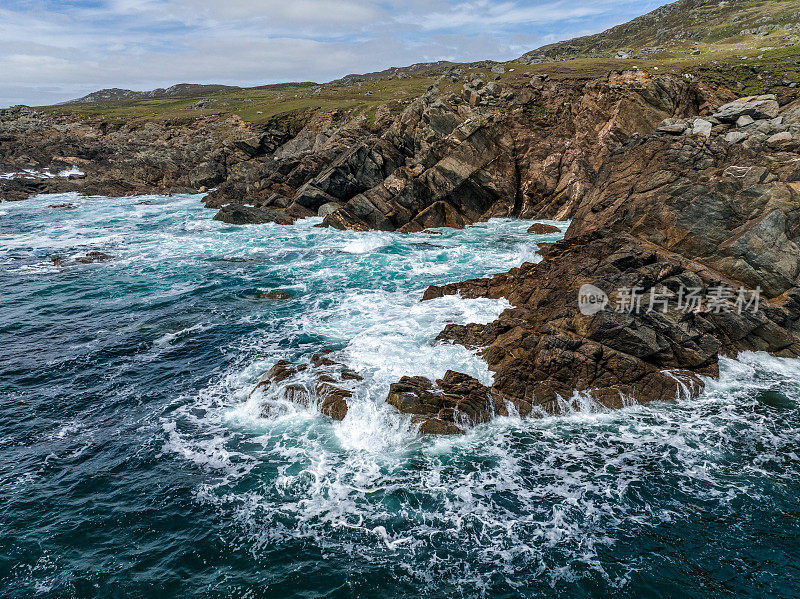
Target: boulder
{"x": 239, "y": 214}
{"x": 543, "y": 229}
{"x": 734, "y": 137}
{"x": 779, "y": 138}
{"x": 672, "y": 126}
{"x": 701, "y": 127}
{"x": 312, "y": 197}
{"x": 276, "y": 294}
{"x": 492, "y": 89}
{"x": 323, "y": 382}
{"x": 329, "y": 208}
{"x": 448, "y": 406}
{"x": 757, "y": 107}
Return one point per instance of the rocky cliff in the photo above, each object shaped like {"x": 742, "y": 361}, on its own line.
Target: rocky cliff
{"x": 676, "y": 193}
{"x": 687, "y": 229}
{"x": 528, "y": 150}
{"x": 690, "y": 235}
{"x": 684, "y": 200}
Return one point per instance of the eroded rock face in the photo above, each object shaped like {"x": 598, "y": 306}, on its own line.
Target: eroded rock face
{"x": 701, "y": 206}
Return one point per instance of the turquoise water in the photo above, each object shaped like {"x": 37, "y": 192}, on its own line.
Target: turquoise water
{"x": 135, "y": 465}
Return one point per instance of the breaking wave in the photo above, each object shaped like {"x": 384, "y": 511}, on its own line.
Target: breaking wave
{"x": 138, "y": 460}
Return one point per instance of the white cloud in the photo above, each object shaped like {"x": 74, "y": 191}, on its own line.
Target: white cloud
{"x": 490, "y": 15}
{"x": 51, "y": 52}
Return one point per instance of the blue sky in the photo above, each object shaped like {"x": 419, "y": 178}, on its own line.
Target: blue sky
{"x": 52, "y": 51}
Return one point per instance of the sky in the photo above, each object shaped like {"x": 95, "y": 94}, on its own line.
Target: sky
{"x": 56, "y": 50}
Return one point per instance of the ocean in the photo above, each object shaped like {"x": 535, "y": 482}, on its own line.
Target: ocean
{"x": 135, "y": 462}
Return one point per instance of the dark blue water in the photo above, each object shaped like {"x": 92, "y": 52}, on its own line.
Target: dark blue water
{"x": 135, "y": 464}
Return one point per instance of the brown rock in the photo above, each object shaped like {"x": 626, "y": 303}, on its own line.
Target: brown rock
{"x": 453, "y": 403}
{"x": 329, "y": 379}
{"x": 95, "y": 256}
{"x": 276, "y": 294}
{"x": 543, "y": 229}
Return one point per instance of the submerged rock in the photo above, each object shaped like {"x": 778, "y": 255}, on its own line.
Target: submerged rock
{"x": 323, "y": 382}
{"x": 275, "y": 294}
{"x": 95, "y": 256}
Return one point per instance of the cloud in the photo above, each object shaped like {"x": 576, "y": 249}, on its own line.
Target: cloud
{"x": 491, "y": 15}
{"x": 53, "y": 50}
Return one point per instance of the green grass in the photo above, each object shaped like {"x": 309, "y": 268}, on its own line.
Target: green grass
{"x": 709, "y": 29}
{"x": 257, "y": 105}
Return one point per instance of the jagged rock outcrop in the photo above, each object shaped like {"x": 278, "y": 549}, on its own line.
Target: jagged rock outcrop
{"x": 455, "y": 402}
{"x": 323, "y": 382}
{"x": 690, "y": 244}
{"x": 447, "y": 160}
{"x": 125, "y": 158}
{"x": 470, "y": 163}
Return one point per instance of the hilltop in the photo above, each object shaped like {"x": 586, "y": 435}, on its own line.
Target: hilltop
{"x": 116, "y": 94}
{"x": 685, "y": 27}
{"x": 749, "y": 46}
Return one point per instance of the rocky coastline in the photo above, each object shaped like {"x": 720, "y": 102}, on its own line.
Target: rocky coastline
{"x": 669, "y": 184}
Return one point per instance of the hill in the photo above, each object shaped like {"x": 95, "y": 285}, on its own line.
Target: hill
{"x": 116, "y": 94}
{"x": 749, "y": 46}
{"x": 685, "y": 27}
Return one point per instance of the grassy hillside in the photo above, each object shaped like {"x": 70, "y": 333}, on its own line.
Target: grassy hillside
{"x": 689, "y": 26}
{"x": 748, "y": 46}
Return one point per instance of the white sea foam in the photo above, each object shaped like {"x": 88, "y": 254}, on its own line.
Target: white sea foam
{"x": 41, "y": 174}
{"x": 544, "y": 497}
{"x": 366, "y": 243}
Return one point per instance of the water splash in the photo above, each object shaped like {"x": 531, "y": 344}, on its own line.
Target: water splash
{"x": 137, "y": 459}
